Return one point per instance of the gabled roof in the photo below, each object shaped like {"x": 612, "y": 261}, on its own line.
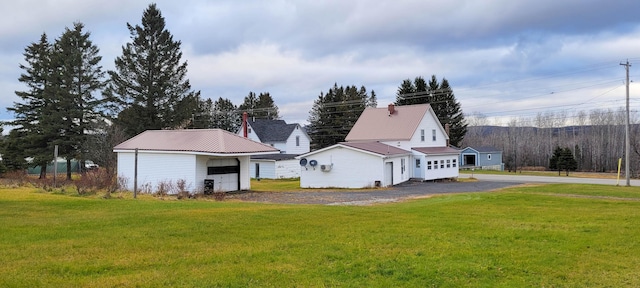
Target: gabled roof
{"x": 199, "y": 141}
{"x": 373, "y": 147}
{"x": 275, "y": 157}
{"x": 376, "y": 147}
{"x": 485, "y": 149}
{"x": 436, "y": 150}
{"x": 271, "y": 130}
{"x": 378, "y": 124}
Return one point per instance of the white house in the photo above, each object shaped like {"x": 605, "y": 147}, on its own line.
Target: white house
{"x": 290, "y": 139}
{"x": 354, "y": 165}
{"x": 414, "y": 129}
{"x": 217, "y": 157}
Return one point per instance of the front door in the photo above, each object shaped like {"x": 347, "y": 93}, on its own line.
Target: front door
{"x": 388, "y": 173}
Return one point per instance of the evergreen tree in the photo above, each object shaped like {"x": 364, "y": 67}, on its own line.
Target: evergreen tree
{"x": 442, "y": 100}
{"x": 33, "y": 128}
{"x": 334, "y": 113}
{"x": 450, "y": 112}
{"x": 563, "y": 159}
{"x": 226, "y": 115}
{"x": 149, "y": 89}
{"x": 77, "y": 79}
{"x": 262, "y": 106}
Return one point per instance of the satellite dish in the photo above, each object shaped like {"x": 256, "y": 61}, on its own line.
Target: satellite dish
{"x": 303, "y": 162}
{"x": 313, "y": 163}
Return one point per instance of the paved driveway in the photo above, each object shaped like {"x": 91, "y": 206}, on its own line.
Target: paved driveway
{"x": 403, "y": 191}
{"x": 548, "y": 179}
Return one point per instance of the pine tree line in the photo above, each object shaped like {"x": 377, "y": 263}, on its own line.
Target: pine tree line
{"x": 335, "y": 112}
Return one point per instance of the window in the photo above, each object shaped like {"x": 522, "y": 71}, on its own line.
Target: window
{"x": 435, "y": 164}
{"x": 489, "y": 157}
{"x": 454, "y": 163}
{"x": 428, "y": 165}
{"x": 297, "y": 140}
{"x": 433, "y": 134}
{"x": 223, "y": 170}
{"x": 448, "y": 163}
{"x": 248, "y": 130}
{"x": 422, "y": 135}
{"x": 441, "y": 164}
{"x": 402, "y": 166}
{"x": 417, "y": 163}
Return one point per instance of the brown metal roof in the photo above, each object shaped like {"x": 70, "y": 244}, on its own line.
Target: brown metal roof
{"x": 378, "y": 124}
{"x": 437, "y": 150}
{"x": 212, "y": 141}
{"x": 376, "y": 147}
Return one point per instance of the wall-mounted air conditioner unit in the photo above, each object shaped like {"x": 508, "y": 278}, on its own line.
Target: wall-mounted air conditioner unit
{"x": 326, "y": 168}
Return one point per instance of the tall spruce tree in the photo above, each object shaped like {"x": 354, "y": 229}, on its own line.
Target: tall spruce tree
{"x": 78, "y": 78}
{"x": 226, "y": 115}
{"x": 335, "y": 112}
{"x": 442, "y": 100}
{"x": 261, "y": 106}
{"x": 149, "y": 89}
{"x": 33, "y": 131}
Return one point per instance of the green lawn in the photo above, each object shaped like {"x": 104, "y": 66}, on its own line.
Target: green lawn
{"x": 528, "y": 236}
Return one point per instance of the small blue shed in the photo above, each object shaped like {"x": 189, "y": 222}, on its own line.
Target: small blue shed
{"x": 488, "y": 158}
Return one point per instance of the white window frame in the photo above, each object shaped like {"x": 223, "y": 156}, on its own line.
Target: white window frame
{"x": 433, "y": 134}
{"x": 422, "y": 135}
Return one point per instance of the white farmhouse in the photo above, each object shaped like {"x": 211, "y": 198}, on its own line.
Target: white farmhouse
{"x": 412, "y": 129}
{"x": 290, "y": 139}
{"x": 214, "y": 156}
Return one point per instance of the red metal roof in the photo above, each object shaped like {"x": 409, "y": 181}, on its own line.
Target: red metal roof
{"x": 210, "y": 141}
{"x": 379, "y": 124}
{"x": 436, "y": 150}
{"x": 376, "y": 147}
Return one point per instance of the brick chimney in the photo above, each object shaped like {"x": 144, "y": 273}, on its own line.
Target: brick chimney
{"x": 244, "y": 124}
{"x": 392, "y": 109}
{"x": 446, "y": 130}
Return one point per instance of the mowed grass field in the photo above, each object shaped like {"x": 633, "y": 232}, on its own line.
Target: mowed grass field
{"x": 536, "y": 236}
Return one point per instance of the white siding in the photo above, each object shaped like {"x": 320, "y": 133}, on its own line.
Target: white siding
{"x": 271, "y": 169}
{"x": 267, "y": 168}
{"x": 428, "y": 124}
{"x": 304, "y": 146}
{"x": 287, "y": 168}
{"x": 154, "y": 168}
{"x": 351, "y": 169}
{"x": 444, "y": 170}
{"x": 282, "y": 146}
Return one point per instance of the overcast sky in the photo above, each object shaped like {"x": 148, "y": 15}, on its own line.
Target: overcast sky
{"x": 502, "y": 58}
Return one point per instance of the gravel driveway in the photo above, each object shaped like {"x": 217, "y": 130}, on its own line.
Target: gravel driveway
{"x": 399, "y": 192}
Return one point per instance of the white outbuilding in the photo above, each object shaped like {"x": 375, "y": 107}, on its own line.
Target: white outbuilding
{"x": 213, "y": 156}
{"x": 354, "y": 165}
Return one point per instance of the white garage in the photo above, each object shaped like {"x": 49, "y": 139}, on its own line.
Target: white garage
{"x": 213, "y": 156}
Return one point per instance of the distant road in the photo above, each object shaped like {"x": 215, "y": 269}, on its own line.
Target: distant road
{"x": 547, "y": 179}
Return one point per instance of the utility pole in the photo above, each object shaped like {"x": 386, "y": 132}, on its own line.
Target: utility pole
{"x": 627, "y": 146}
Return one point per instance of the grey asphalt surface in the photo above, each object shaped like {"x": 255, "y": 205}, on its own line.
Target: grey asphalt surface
{"x": 399, "y": 192}
{"x": 548, "y": 179}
